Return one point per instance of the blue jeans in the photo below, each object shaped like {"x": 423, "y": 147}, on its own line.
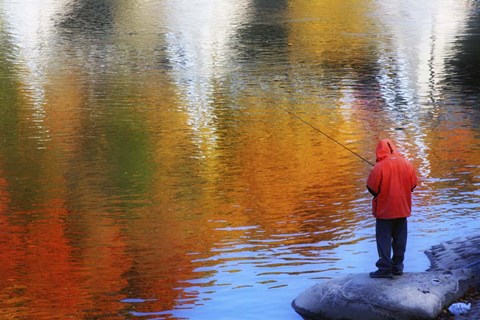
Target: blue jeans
{"x": 391, "y": 234}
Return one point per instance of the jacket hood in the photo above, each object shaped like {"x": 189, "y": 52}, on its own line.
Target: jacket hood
{"x": 385, "y": 148}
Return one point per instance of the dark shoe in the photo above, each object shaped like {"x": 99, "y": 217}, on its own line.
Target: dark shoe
{"x": 397, "y": 272}
{"x": 381, "y": 274}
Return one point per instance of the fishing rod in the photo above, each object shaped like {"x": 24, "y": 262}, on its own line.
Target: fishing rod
{"x": 326, "y": 135}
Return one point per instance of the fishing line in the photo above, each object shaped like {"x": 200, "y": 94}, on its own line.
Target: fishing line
{"x": 326, "y": 135}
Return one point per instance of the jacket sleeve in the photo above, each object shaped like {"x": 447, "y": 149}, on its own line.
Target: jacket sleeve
{"x": 413, "y": 178}
{"x": 373, "y": 182}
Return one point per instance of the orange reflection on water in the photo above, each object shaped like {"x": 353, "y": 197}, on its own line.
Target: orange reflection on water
{"x": 37, "y": 268}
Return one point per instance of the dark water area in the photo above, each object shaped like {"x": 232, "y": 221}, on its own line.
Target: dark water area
{"x": 153, "y": 164}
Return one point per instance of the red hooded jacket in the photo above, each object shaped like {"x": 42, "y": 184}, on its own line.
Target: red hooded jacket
{"x": 391, "y": 182}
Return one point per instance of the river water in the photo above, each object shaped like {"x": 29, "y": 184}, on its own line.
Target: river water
{"x": 156, "y": 161}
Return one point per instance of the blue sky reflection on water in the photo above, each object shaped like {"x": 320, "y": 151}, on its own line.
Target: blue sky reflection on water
{"x": 148, "y": 168}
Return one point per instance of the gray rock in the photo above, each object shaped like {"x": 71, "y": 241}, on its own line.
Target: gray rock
{"x": 357, "y": 296}
{"x": 455, "y": 267}
{"x": 455, "y": 254}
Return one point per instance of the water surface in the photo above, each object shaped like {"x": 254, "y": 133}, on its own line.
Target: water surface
{"x": 153, "y": 164}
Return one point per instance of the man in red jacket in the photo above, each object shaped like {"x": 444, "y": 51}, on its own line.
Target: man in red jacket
{"x": 391, "y": 183}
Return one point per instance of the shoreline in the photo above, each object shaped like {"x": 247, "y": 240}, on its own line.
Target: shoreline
{"x": 472, "y": 296}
